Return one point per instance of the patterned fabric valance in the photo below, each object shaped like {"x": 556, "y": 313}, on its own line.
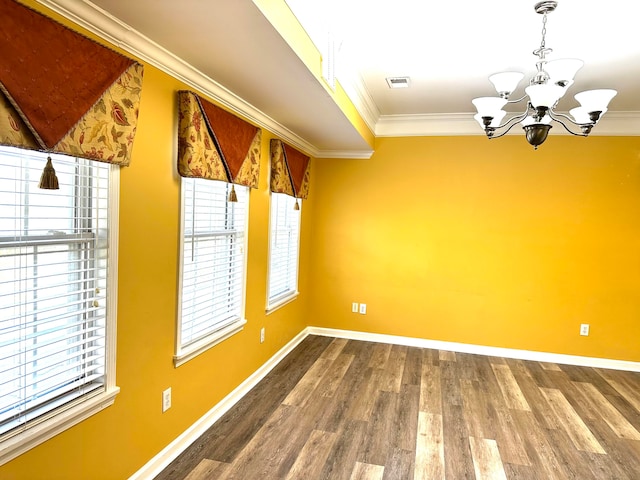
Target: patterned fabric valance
{"x": 215, "y": 144}
{"x": 289, "y": 170}
{"x": 62, "y": 92}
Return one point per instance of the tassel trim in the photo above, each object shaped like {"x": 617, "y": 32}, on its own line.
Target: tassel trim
{"x": 48, "y": 179}
{"x": 233, "y": 197}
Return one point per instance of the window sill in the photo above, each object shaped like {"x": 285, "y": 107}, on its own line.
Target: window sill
{"x": 206, "y": 343}
{"x": 282, "y": 301}
{"x": 34, "y": 436}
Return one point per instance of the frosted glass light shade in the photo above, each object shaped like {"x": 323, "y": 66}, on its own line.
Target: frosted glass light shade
{"x": 506, "y": 82}
{"x": 497, "y": 118}
{"x": 563, "y": 69}
{"x": 595, "y": 100}
{"x": 489, "y": 106}
{"x": 566, "y": 87}
{"x": 581, "y": 115}
{"x": 544, "y": 95}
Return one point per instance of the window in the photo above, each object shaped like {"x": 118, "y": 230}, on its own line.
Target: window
{"x": 213, "y": 265}
{"x": 57, "y": 315}
{"x": 283, "y": 256}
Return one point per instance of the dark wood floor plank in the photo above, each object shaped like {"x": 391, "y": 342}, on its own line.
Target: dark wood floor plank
{"x": 405, "y": 429}
{"x": 346, "y": 409}
{"x": 509, "y": 440}
{"x": 380, "y": 355}
{"x": 335, "y": 348}
{"x": 394, "y": 369}
{"x": 399, "y": 465}
{"x": 457, "y": 452}
{"x": 538, "y": 448}
{"x": 520, "y": 472}
{"x": 479, "y": 420}
{"x": 207, "y": 469}
{"x": 313, "y": 455}
{"x": 412, "y": 367}
{"x": 532, "y": 393}
{"x": 625, "y": 385}
{"x": 574, "y": 462}
{"x": 376, "y": 444}
{"x": 367, "y": 396}
{"x": 334, "y": 376}
{"x": 344, "y": 453}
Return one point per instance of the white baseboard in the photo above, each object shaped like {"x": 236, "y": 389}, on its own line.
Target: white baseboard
{"x": 175, "y": 448}
{"x": 479, "y": 349}
{"x": 158, "y": 463}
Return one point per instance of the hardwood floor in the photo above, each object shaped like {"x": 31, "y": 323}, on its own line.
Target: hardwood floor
{"x": 344, "y": 409}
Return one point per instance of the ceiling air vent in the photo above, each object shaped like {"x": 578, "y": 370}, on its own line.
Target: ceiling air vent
{"x": 398, "y": 82}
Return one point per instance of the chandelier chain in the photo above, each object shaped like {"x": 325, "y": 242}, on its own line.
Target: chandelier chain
{"x": 544, "y": 31}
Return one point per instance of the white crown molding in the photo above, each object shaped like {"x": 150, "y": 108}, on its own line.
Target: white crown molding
{"x": 612, "y": 124}
{"x": 346, "y": 154}
{"x": 114, "y": 31}
{"x": 357, "y": 92}
{"x": 427, "y": 125}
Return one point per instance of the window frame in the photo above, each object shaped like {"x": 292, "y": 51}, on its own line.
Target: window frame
{"x": 73, "y": 412}
{"x": 277, "y": 301}
{"x": 184, "y": 353}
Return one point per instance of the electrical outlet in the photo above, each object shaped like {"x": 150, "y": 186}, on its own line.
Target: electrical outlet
{"x": 262, "y": 335}
{"x": 166, "y": 400}
{"x": 363, "y": 308}
{"x": 354, "y": 307}
{"x": 584, "y": 329}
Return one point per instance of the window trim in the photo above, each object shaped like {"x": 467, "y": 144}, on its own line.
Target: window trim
{"x": 82, "y": 408}
{"x": 184, "y": 354}
{"x": 291, "y": 295}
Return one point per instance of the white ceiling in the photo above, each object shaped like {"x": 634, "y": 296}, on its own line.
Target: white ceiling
{"x": 447, "y": 48}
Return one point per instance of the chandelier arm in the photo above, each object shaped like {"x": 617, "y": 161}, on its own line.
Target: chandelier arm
{"x": 586, "y": 127}
{"x": 518, "y": 100}
{"x": 510, "y": 123}
{"x": 557, "y": 115}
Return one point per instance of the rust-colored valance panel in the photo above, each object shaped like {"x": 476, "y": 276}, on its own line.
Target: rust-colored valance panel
{"x": 62, "y": 92}
{"x": 289, "y": 170}
{"x": 215, "y": 144}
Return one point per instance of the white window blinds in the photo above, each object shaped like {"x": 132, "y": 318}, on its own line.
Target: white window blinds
{"x": 213, "y": 263}
{"x": 283, "y": 249}
{"x": 53, "y": 287}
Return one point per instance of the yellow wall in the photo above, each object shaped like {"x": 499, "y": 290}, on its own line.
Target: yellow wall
{"x": 483, "y": 242}
{"x": 456, "y": 239}
{"x": 118, "y": 441}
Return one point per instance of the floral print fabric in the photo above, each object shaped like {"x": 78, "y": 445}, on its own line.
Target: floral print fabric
{"x": 199, "y": 152}
{"x": 290, "y": 170}
{"x": 106, "y": 132}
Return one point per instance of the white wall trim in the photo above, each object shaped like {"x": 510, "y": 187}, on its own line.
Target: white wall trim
{"x": 346, "y": 154}
{"x": 154, "y": 466}
{"x": 456, "y": 124}
{"x": 479, "y": 349}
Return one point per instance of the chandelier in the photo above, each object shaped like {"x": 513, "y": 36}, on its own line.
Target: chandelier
{"x": 546, "y": 88}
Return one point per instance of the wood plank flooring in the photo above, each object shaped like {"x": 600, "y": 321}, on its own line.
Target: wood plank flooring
{"x": 353, "y": 410}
